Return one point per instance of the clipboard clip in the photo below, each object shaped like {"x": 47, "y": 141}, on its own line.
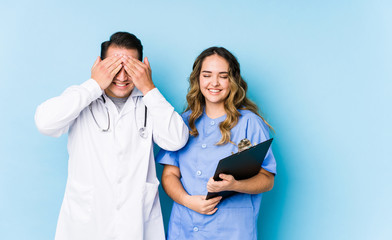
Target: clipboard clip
{"x": 244, "y": 144}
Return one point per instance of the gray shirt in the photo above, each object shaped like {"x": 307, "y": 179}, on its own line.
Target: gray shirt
{"x": 119, "y": 102}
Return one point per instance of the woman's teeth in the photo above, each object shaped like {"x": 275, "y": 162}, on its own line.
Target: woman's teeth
{"x": 214, "y": 90}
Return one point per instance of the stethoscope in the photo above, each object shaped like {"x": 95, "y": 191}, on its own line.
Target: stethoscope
{"x": 142, "y": 131}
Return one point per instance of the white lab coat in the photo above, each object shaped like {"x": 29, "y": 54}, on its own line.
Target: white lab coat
{"x": 112, "y": 188}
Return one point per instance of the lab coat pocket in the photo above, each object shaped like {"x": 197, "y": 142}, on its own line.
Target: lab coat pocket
{"x": 79, "y": 198}
{"x": 151, "y": 207}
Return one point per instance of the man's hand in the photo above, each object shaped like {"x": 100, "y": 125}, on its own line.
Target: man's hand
{"x": 139, "y": 72}
{"x": 199, "y": 204}
{"x": 103, "y": 71}
{"x": 228, "y": 183}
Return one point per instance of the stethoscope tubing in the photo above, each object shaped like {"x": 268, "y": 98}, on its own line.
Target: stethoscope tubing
{"x": 142, "y": 131}
{"x": 95, "y": 120}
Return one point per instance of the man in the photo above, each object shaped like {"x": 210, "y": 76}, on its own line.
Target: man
{"x": 112, "y": 120}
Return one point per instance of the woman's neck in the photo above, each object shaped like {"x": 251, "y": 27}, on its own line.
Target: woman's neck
{"x": 215, "y": 110}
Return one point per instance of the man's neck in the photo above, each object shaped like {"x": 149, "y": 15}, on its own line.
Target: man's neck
{"x": 119, "y": 102}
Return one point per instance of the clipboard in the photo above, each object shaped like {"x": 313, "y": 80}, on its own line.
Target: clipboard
{"x": 242, "y": 165}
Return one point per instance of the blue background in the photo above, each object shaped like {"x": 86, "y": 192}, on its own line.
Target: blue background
{"x": 320, "y": 71}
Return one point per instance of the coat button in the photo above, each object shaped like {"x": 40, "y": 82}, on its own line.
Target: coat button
{"x": 198, "y": 173}
{"x": 195, "y": 229}
{"x": 212, "y": 123}
{"x": 204, "y": 145}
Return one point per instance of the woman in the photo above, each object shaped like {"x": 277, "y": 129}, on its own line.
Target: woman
{"x": 218, "y": 115}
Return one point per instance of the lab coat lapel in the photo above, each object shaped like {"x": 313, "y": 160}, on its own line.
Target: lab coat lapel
{"x": 132, "y": 101}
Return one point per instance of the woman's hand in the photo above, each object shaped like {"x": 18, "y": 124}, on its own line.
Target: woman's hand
{"x": 172, "y": 185}
{"x": 228, "y": 183}
{"x": 199, "y": 204}
{"x": 261, "y": 182}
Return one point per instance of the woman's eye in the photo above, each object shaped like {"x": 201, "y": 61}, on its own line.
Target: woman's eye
{"x": 206, "y": 76}
{"x": 225, "y": 77}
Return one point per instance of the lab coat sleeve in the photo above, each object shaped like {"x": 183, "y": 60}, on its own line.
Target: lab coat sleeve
{"x": 169, "y": 130}
{"x": 56, "y": 115}
{"x": 257, "y": 131}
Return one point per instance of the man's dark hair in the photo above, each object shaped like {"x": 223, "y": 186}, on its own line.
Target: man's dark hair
{"x": 122, "y": 40}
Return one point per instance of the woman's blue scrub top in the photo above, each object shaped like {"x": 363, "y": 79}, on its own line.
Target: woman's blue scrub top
{"x": 236, "y": 217}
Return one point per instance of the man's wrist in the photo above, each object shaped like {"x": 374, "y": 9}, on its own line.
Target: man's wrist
{"x": 93, "y": 88}
{"x": 147, "y": 89}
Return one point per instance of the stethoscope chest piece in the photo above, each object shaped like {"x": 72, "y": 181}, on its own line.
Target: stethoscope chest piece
{"x": 143, "y": 132}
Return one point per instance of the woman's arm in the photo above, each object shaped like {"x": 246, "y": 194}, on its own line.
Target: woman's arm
{"x": 262, "y": 182}
{"x": 172, "y": 185}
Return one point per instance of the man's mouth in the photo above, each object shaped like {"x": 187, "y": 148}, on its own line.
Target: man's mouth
{"x": 120, "y": 84}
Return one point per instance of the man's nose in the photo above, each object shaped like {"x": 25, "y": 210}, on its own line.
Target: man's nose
{"x": 122, "y": 75}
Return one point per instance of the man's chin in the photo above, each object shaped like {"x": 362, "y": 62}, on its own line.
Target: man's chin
{"x": 119, "y": 94}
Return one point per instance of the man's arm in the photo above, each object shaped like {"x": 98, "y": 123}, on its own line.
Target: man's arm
{"x": 169, "y": 130}
{"x": 54, "y": 116}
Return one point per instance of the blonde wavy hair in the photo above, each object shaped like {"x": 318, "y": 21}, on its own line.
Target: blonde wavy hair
{"x": 235, "y": 100}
